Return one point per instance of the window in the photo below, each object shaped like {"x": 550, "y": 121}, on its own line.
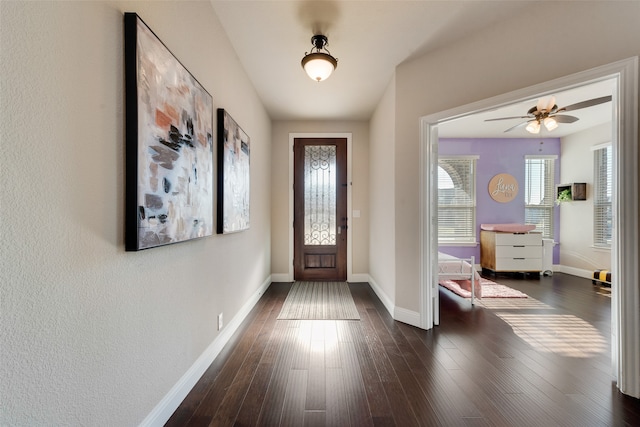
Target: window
{"x": 602, "y": 191}
{"x": 457, "y": 199}
{"x": 539, "y": 193}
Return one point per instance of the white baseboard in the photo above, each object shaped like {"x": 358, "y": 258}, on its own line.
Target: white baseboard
{"x": 386, "y": 301}
{"x": 167, "y": 406}
{"x": 398, "y": 313}
{"x": 281, "y": 277}
{"x": 409, "y": 317}
{"x": 356, "y": 278}
{"x": 586, "y": 274}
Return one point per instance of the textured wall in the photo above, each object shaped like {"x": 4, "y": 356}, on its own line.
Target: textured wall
{"x": 92, "y": 335}
{"x": 382, "y": 224}
{"x": 576, "y": 218}
{"x": 498, "y": 60}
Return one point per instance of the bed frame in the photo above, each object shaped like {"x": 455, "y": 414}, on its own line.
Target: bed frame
{"x": 453, "y": 268}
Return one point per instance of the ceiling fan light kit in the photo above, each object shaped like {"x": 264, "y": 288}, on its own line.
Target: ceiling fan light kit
{"x": 550, "y": 123}
{"x": 533, "y": 127}
{"x": 546, "y": 112}
{"x": 318, "y": 64}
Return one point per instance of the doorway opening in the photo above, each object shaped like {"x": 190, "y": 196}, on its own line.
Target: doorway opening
{"x": 625, "y": 246}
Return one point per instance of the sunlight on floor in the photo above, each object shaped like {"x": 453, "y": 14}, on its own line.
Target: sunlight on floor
{"x": 564, "y": 334}
{"x": 512, "y": 304}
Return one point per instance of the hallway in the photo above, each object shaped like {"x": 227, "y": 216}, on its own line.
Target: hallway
{"x": 471, "y": 370}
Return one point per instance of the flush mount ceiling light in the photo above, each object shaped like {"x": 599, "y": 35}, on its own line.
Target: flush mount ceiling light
{"x": 319, "y": 65}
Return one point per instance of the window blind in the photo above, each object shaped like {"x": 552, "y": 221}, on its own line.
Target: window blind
{"x": 602, "y": 188}
{"x": 457, "y": 199}
{"x": 539, "y": 194}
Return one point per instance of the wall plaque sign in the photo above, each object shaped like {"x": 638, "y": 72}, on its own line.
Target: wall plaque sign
{"x": 503, "y": 188}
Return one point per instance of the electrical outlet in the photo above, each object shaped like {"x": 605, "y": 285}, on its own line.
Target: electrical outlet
{"x": 220, "y": 322}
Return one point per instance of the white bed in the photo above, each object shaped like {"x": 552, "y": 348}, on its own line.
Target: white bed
{"x": 453, "y": 268}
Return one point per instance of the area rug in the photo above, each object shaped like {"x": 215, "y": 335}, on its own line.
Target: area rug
{"x": 489, "y": 289}
{"x": 319, "y": 301}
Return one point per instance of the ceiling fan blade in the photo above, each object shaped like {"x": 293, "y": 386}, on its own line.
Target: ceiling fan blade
{"x": 585, "y": 104}
{"x": 508, "y": 118}
{"x": 563, "y": 118}
{"x": 519, "y": 125}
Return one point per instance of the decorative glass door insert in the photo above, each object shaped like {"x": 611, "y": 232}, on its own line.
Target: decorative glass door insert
{"x": 320, "y": 195}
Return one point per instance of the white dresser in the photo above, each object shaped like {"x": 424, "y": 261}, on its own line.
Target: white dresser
{"x": 511, "y": 252}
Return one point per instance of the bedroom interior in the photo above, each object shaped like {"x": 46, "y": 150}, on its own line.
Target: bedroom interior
{"x": 499, "y": 147}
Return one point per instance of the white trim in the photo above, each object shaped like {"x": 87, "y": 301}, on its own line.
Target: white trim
{"x": 429, "y": 304}
{"x": 172, "y": 400}
{"x": 409, "y": 317}
{"x": 348, "y": 136}
{"x": 400, "y": 314}
{"x": 460, "y": 157}
{"x": 624, "y": 255}
{"x": 359, "y": 277}
{"x": 579, "y": 272}
{"x": 447, "y": 243}
{"x": 543, "y": 157}
{"x": 601, "y": 146}
{"x": 625, "y": 312}
{"x": 386, "y": 301}
{"x": 281, "y": 277}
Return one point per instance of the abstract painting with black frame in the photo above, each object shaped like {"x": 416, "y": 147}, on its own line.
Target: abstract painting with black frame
{"x": 169, "y": 145}
{"x": 233, "y": 175}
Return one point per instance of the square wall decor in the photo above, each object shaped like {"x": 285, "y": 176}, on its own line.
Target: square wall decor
{"x": 169, "y": 145}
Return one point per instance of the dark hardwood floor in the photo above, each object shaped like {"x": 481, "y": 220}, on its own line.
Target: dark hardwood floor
{"x": 543, "y": 361}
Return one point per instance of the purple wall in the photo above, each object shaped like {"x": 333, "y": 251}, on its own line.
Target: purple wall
{"x": 500, "y": 156}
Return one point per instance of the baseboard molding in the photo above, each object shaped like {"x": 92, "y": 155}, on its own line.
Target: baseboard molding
{"x": 386, "y": 301}
{"x": 586, "y": 274}
{"x": 282, "y": 277}
{"x": 357, "y": 278}
{"x": 409, "y": 317}
{"x": 167, "y": 406}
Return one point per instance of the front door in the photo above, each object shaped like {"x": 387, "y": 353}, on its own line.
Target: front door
{"x": 320, "y": 209}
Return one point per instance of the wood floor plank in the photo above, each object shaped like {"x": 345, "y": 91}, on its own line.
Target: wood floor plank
{"x": 316, "y": 390}
{"x": 337, "y": 413}
{"x": 359, "y": 411}
{"x": 271, "y": 412}
{"x": 480, "y": 367}
{"x": 294, "y": 400}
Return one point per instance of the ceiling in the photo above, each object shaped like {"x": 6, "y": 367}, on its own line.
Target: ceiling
{"x": 370, "y": 39}
{"x": 475, "y": 126}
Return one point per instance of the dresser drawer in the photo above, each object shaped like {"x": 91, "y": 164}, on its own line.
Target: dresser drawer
{"x": 511, "y": 239}
{"x": 518, "y": 264}
{"x": 518, "y": 252}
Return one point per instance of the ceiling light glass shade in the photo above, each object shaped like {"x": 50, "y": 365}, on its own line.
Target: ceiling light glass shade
{"x": 318, "y": 65}
{"x": 533, "y": 127}
{"x": 550, "y": 123}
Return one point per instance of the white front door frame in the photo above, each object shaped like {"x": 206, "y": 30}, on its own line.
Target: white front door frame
{"x": 625, "y": 309}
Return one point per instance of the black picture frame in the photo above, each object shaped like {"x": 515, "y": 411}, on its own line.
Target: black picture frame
{"x": 168, "y": 145}
{"x": 234, "y": 180}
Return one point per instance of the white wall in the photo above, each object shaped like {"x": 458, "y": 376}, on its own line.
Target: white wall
{"x": 280, "y": 225}
{"x": 576, "y": 218}
{"x": 501, "y": 59}
{"x": 92, "y": 335}
{"x": 382, "y": 246}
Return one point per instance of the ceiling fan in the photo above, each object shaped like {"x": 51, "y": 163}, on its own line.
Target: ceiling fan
{"x": 546, "y": 112}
